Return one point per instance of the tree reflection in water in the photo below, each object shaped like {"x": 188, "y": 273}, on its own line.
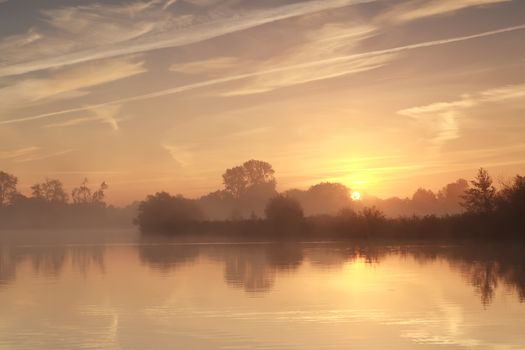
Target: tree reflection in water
{"x": 49, "y": 261}
{"x": 254, "y": 267}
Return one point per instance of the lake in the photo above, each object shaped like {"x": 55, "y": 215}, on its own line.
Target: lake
{"x": 116, "y": 290}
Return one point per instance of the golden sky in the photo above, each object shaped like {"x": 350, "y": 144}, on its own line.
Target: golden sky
{"x": 383, "y": 96}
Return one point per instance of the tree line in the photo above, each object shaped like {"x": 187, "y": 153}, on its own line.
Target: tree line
{"x": 50, "y": 205}
{"x": 50, "y": 191}
{"x": 249, "y": 201}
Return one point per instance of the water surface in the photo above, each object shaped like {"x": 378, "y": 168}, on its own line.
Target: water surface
{"x": 114, "y": 290}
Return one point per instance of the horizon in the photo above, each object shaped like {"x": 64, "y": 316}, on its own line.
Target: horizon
{"x": 363, "y": 195}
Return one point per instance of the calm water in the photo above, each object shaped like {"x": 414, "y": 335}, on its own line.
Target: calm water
{"x": 113, "y": 290}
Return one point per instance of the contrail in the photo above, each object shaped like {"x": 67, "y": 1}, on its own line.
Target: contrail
{"x": 176, "y": 37}
{"x": 217, "y": 81}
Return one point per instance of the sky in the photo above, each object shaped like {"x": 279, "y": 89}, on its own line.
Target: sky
{"x": 384, "y": 96}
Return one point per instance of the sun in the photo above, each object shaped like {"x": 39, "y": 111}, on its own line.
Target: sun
{"x": 356, "y": 196}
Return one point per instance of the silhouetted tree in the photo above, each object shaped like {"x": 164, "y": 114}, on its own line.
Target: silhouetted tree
{"x": 163, "y": 212}
{"x": 373, "y": 219}
{"x": 424, "y": 196}
{"x": 282, "y": 210}
{"x": 51, "y": 190}
{"x": 235, "y": 181}
{"x": 454, "y": 191}
{"x": 81, "y": 194}
{"x": 84, "y": 195}
{"x": 254, "y": 199}
{"x": 48, "y": 206}
{"x": 98, "y": 196}
{"x": 514, "y": 194}
{"x": 480, "y": 199}
{"x": 330, "y": 196}
{"x": 511, "y": 204}
{"x": 258, "y": 172}
{"x": 8, "y": 184}
{"x": 372, "y": 214}
{"x": 424, "y": 201}
{"x": 218, "y": 205}
{"x": 323, "y": 198}
{"x": 346, "y": 219}
{"x": 238, "y": 179}
{"x": 450, "y": 196}
{"x": 393, "y": 206}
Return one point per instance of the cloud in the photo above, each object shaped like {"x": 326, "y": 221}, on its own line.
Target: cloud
{"x": 69, "y": 30}
{"x": 281, "y": 79}
{"x": 500, "y": 94}
{"x": 84, "y": 33}
{"x": 314, "y": 64}
{"x": 21, "y": 152}
{"x": 180, "y": 155}
{"x": 43, "y": 156}
{"x": 69, "y": 82}
{"x": 106, "y": 115}
{"x": 28, "y": 154}
{"x": 503, "y": 93}
{"x": 169, "y": 3}
{"x": 413, "y": 10}
{"x": 250, "y": 132}
{"x": 443, "y": 117}
{"x": 437, "y": 107}
{"x": 212, "y": 65}
{"x": 330, "y": 41}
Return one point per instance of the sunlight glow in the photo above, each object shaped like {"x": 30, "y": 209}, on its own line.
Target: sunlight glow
{"x": 356, "y": 196}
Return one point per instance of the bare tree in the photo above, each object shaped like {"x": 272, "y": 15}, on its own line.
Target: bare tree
{"x": 84, "y": 195}
{"x": 81, "y": 194}
{"x": 98, "y": 196}
{"x": 51, "y": 190}
{"x": 8, "y": 184}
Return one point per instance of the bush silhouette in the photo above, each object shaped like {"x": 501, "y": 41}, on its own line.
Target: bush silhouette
{"x": 284, "y": 211}
{"x": 163, "y": 212}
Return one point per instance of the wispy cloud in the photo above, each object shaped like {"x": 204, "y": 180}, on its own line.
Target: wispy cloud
{"x": 21, "y": 152}
{"x": 30, "y": 153}
{"x": 181, "y": 155}
{"x": 281, "y": 79}
{"x": 443, "y": 117}
{"x": 69, "y": 82}
{"x": 169, "y": 3}
{"x": 330, "y": 41}
{"x": 413, "y": 10}
{"x": 314, "y": 64}
{"x": 503, "y": 93}
{"x": 499, "y": 94}
{"x": 106, "y": 115}
{"x": 85, "y": 33}
{"x": 212, "y": 65}
{"x": 43, "y": 156}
